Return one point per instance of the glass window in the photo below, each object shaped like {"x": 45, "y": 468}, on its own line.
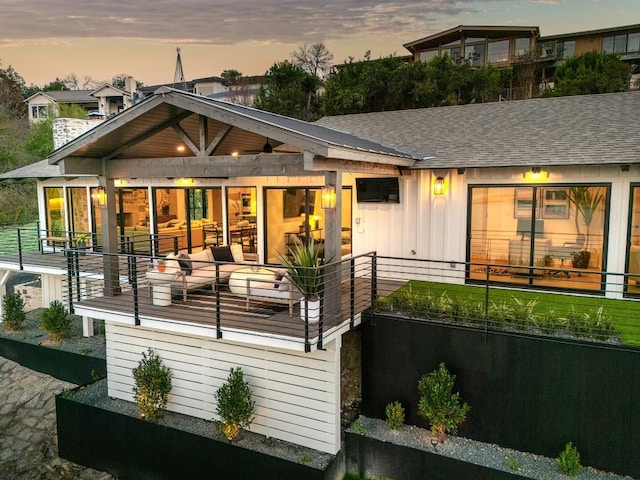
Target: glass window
{"x": 620, "y": 44}
{"x": 451, "y": 44}
{"x": 78, "y": 209}
{"x": 428, "y": 55}
{"x": 474, "y": 54}
{"x": 498, "y": 51}
{"x": 522, "y": 46}
{"x": 54, "y": 203}
{"x": 633, "y": 254}
{"x": 566, "y": 49}
{"x": 453, "y": 53}
{"x": 295, "y": 214}
{"x": 538, "y": 235}
{"x": 633, "y": 42}
{"x": 607, "y": 45}
{"x": 241, "y": 211}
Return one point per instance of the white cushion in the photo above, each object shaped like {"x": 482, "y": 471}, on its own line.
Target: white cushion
{"x": 201, "y": 259}
{"x": 236, "y": 251}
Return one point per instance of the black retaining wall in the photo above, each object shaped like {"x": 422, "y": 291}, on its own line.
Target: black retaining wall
{"x": 526, "y": 392}
{"x": 371, "y": 458}
{"x": 131, "y": 448}
{"x": 67, "y": 366}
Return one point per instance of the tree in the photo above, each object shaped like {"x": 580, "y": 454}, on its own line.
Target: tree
{"x": 11, "y": 100}
{"x": 232, "y": 76}
{"x": 118, "y": 81}
{"x": 314, "y": 59}
{"x": 289, "y": 90}
{"x": 39, "y": 140}
{"x": 73, "y": 82}
{"x": 591, "y": 73}
{"x": 56, "y": 86}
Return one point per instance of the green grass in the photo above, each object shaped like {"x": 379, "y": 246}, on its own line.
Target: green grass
{"x": 625, "y": 314}
{"x": 9, "y": 238}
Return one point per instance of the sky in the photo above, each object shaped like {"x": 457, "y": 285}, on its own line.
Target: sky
{"x": 45, "y": 39}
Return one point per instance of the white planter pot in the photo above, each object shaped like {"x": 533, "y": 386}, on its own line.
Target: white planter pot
{"x": 314, "y": 310}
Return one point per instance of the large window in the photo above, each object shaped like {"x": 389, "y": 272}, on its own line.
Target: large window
{"x": 623, "y": 43}
{"x": 474, "y": 54}
{"x": 522, "y": 46}
{"x": 54, "y": 204}
{"x": 498, "y": 51}
{"x": 551, "y": 235}
{"x": 78, "y": 209}
{"x": 242, "y": 212}
{"x": 633, "y": 252}
{"x": 295, "y": 214}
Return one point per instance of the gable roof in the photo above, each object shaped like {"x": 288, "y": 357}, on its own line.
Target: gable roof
{"x": 579, "y": 130}
{"x": 40, "y": 169}
{"x": 67, "y": 96}
{"x": 167, "y": 104}
{"x": 111, "y": 87}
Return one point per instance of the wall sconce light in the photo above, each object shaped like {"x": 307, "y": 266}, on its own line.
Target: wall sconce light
{"x": 536, "y": 174}
{"x": 625, "y": 168}
{"x": 100, "y": 196}
{"x": 185, "y": 181}
{"x": 438, "y": 186}
{"x": 328, "y": 197}
{"x": 180, "y": 148}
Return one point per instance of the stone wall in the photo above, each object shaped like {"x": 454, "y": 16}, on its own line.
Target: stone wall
{"x": 66, "y": 129}
{"x": 31, "y": 294}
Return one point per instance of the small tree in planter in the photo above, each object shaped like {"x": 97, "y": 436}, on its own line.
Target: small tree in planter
{"x": 235, "y": 406}
{"x": 586, "y": 200}
{"x": 13, "y": 308}
{"x": 152, "y": 386}
{"x": 56, "y": 321}
{"x": 442, "y": 408}
{"x": 303, "y": 269}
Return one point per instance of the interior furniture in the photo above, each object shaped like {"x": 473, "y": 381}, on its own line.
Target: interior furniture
{"x": 520, "y": 252}
{"x": 198, "y": 270}
{"x": 212, "y": 235}
{"x": 634, "y": 263}
{"x": 263, "y": 284}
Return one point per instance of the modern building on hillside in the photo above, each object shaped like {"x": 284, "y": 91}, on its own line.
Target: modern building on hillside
{"x": 102, "y": 102}
{"x": 505, "y": 46}
{"x": 532, "y": 194}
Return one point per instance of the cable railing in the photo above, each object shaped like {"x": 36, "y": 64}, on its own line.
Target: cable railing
{"x": 220, "y": 298}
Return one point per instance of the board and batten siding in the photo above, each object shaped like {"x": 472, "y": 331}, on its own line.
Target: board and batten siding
{"x": 297, "y": 394}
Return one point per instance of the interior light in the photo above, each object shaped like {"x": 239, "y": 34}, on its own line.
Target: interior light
{"x": 185, "y": 181}
{"x": 234, "y": 154}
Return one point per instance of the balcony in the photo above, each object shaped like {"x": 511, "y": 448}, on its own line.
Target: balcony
{"x": 349, "y": 287}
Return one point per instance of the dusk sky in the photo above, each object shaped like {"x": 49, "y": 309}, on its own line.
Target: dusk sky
{"x": 45, "y": 39}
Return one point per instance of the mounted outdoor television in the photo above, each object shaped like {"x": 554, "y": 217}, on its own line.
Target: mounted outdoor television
{"x": 378, "y": 190}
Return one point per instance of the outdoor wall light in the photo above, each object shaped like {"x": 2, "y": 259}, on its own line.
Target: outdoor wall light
{"x": 536, "y": 173}
{"x": 180, "y": 148}
{"x": 267, "y": 148}
{"x": 100, "y": 196}
{"x": 119, "y": 182}
{"x": 328, "y": 197}
{"x": 185, "y": 181}
{"x": 438, "y": 186}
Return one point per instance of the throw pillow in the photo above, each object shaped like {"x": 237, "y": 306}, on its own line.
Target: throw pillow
{"x": 185, "y": 263}
{"x": 222, "y": 254}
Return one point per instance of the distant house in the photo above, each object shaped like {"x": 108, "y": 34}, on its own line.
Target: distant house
{"x": 101, "y": 102}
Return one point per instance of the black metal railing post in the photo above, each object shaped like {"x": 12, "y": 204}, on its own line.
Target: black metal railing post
{"x": 352, "y": 292}
{"x": 322, "y": 309}
{"x": 218, "y": 313}
{"x": 70, "y": 276}
{"x": 486, "y": 304}
{"x": 38, "y": 236}
{"x": 76, "y": 270}
{"x": 20, "y": 250}
{"x": 134, "y": 285}
{"x": 374, "y": 277}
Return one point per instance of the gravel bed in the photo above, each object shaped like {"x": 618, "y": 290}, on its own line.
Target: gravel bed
{"x": 95, "y": 394}
{"x": 485, "y": 454}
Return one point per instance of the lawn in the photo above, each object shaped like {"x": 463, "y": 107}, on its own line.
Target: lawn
{"x": 9, "y": 238}
{"x": 546, "y": 312}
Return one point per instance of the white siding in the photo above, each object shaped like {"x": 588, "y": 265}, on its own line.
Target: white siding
{"x": 296, "y": 394}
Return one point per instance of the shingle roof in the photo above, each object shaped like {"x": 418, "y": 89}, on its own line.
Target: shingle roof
{"x": 40, "y": 169}
{"x": 71, "y": 96}
{"x": 578, "y": 130}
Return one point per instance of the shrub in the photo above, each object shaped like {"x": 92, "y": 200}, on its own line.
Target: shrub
{"x": 13, "y": 308}
{"x": 56, "y": 321}
{"x": 235, "y": 406}
{"x": 442, "y": 408}
{"x": 569, "y": 461}
{"x": 513, "y": 463}
{"x": 152, "y": 386}
{"x": 395, "y": 415}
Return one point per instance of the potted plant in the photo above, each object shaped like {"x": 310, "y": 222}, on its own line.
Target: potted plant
{"x": 586, "y": 200}
{"x": 303, "y": 269}
{"x": 161, "y": 265}
{"x": 81, "y": 240}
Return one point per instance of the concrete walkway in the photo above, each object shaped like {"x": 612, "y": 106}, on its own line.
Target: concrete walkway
{"x": 28, "y": 447}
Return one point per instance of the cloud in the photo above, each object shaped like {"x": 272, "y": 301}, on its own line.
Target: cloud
{"x": 224, "y": 22}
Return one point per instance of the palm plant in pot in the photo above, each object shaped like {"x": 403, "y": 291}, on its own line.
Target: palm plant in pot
{"x": 586, "y": 200}
{"x": 81, "y": 239}
{"x": 303, "y": 264}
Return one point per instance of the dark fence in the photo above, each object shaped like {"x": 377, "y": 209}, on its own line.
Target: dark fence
{"x": 526, "y": 392}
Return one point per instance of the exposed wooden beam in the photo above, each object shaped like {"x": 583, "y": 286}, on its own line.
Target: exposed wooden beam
{"x": 224, "y": 131}
{"x": 186, "y": 139}
{"x": 203, "y": 132}
{"x": 80, "y": 166}
{"x": 225, "y": 166}
{"x": 148, "y": 134}
{"x": 321, "y": 164}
